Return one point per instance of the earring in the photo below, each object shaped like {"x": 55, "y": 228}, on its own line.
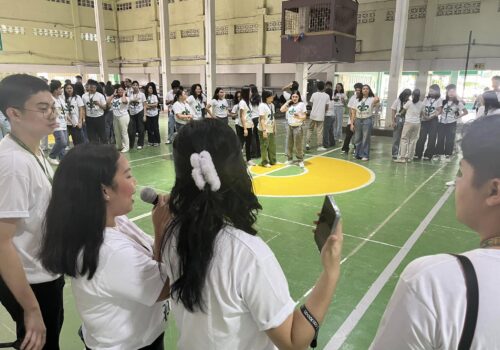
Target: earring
{"x": 106, "y": 197}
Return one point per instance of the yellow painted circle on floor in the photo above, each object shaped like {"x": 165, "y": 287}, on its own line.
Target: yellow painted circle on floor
{"x": 321, "y": 176}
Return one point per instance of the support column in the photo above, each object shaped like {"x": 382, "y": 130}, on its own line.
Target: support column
{"x": 301, "y": 78}
{"x": 164, "y": 49}
{"x": 424, "y": 66}
{"x": 330, "y": 74}
{"x": 210, "y": 58}
{"x": 77, "y": 32}
{"x": 398, "y": 50}
{"x": 260, "y": 77}
{"x": 101, "y": 40}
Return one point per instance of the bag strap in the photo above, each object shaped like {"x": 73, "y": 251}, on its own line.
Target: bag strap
{"x": 472, "y": 302}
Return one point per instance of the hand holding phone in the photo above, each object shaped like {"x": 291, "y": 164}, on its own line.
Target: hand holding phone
{"x": 327, "y": 222}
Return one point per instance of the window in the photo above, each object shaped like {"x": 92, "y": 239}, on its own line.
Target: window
{"x": 110, "y": 38}
{"x": 245, "y": 28}
{"x": 88, "y": 36}
{"x": 126, "y": 38}
{"x": 222, "y": 30}
{"x": 124, "y": 7}
{"x": 273, "y": 26}
{"x": 60, "y": 1}
{"x": 6, "y": 29}
{"x": 53, "y": 33}
{"x": 459, "y": 8}
{"x": 190, "y": 33}
{"x": 366, "y": 17}
{"x": 86, "y": 3}
{"x": 107, "y": 7}
{"x": 142, "y": 3}
{"x": 145, "y": 37}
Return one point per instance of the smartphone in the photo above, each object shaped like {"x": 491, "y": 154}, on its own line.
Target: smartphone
{"x": 327, "y": 222}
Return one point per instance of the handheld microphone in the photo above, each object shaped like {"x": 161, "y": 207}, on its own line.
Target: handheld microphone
{"x": 149, "y": 195}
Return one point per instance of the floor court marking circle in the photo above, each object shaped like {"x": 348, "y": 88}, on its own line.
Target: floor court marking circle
{"x": 323, "y": 175}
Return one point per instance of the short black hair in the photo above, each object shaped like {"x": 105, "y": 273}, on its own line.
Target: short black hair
{"x": 481, "y": 148}
{"x": 78, "y": 77}
{"x": 320, "y": 85}
{"x": 92, "y": 82}
{"x": 175, "y": 84}
{"x": 54, "y": 85}
{"x": 358, "y": 86}
{"x": 16, "y": 89}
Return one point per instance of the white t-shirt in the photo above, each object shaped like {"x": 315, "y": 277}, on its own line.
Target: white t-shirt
{"x": 152, "y": 99}
{"x": 255, "y": 111}
{"x": 243, "y": 106}
{"x": 119, "y": 108}
{"x": 287, "y": 95}
{"x": 61, "y": 111}
{"x": 352, "y": 101}
{"x": 170, "y": 97}
{"x": 182, "y": 108}
{"x": 341, "y": 98}
{"x": 364, "y": 108}
{"x": 331, "y": 108}
{"x": 136, "y": 102}
{"x": 246, "y": 293}
{"x": 451, "y": 112}
{"x": 413, "y": 111}
{"x": 430, "y": 107}
{"x": 319, "y": 101}
{"x": 396, "y": 105}
{"x": 219, "y": 108}
{"x": 118, "y": 305}
{"x": 92, "y": 110}
{"x": 427, "y": 309}
{"x": 25, "y": 195}
{"x": 267, "y": 110}
{"x": 74, "y": 104}
{"x": 196, "y": 106}
{"x": 236, "y": 110}
{"x": 300, "y": 107}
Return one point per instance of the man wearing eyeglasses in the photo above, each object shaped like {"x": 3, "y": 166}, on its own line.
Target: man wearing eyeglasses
{"x": 32, "y": 295}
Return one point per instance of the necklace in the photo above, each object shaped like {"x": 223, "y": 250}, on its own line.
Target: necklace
{"x": 491, "y": 242}
{"x": 44, "y": 166}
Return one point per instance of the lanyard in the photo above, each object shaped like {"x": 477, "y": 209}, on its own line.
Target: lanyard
{"x": 26, "y": 148}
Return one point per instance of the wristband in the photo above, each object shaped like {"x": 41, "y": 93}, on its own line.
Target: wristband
{"x": 315, "y": 324}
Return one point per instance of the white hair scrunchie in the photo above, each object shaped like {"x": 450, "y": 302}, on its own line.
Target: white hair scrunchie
{"x": 204, "y": 171}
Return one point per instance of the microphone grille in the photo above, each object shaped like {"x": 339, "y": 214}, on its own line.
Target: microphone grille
{"x": 148, "y": 195}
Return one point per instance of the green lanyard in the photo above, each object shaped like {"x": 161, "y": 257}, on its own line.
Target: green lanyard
{"x": 43, "y": 166}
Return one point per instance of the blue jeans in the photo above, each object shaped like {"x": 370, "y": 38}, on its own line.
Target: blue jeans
{"x": 328, "y": 138}
{"x": 59, "y": 149}
{"x": 338, "y": 112}
{"x": 362, "y": 136}
{"x": 4, "y": 128}
{"x": 396, "y": 135}
{"x": 171, "y": 126}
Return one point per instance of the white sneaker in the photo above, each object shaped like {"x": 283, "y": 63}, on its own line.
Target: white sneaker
{"x": 125, "y": 150}
{"x": 321, "y": 149}
{"x": 301, "y": 164}
{"x": 139, "y": 147}
{"x": 267, "y": 165}
{"x": 53, "y": 161}
{"x": 364, "y": 159}
{"x": 289, "y": 162}
{"x": 307, "y": 147}
{"x": 251, "y": 163}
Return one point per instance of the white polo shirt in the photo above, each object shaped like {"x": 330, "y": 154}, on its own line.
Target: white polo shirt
{"x": 118, "y": 305}
{"x": 245, "y": 291}
{"x": 25, "y": 195}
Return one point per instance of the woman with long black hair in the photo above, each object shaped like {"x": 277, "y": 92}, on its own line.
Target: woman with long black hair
{"x": 182, "y": 110}
{"x": 137, "y": 100}
{"x": 453, "y": 109}
{"x": 218, "y": 107}
{"x": 61, "y": 133}
{"x": 363, "y": 122}
{"x": 267, "y": 129}
{"x": 255, "y": 100}
{"x": 228, "y": 290}
{"x": 295, "y": 116}
{"x": 398, "y": 119}
{"x": 76, "y": 111}
{"x": 433, "y": 105}
{"x": 118, "y": 286}
{"x": 152, "y": 115}
{"x": 196, "y": 101}
{"x": 235, "y": 111}
{"x": 244, "y": 124}
{"x": 339, "y": 99}
{"x": 411, "y": 128}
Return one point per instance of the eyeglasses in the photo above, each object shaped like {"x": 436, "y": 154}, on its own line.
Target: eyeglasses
{"x": 45, "y": 112}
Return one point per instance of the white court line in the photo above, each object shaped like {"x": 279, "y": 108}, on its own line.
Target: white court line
{"x": 454, "y": 229}
{"x": 158, "y": 155}
{"x": 345, "y": 234}
{"x": 352, "y": 320}
{"x": 391, "y": 215}
{"x": 148, "y": 163}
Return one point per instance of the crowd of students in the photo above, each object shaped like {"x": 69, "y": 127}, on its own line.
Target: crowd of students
{"x": 205, "y": 263}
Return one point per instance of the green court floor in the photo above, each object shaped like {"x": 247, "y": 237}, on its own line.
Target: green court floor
{"x": 378, "y": 221}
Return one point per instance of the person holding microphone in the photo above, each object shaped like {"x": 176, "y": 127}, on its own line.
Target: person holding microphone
{"x": 119, "y": 286}
{"x": 228, "y": 289}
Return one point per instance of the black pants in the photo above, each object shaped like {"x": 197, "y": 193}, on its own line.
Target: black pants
{"x": 247, "y": 141}
{"x": 156, "y": 345}
{"x": 348, "y": 136}
{"x": 135, "y": 126}
{"x": 153, "y": 129}
{"x": 110, "y": 132}
{"x": 428, "y": 131}
{"x": 255, "y": 140}
{"x": 50, "y": 298}
{"x": 446, "y": 138}
{"x": 96, "y": 129}
{"x": 76, "y": 135}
